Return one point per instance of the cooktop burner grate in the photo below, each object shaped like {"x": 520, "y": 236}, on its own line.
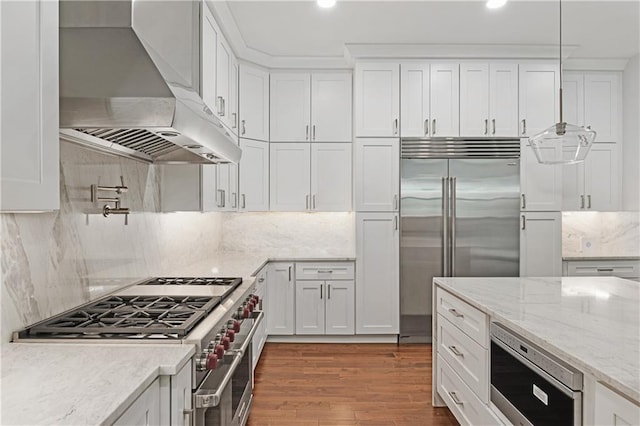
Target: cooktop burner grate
{"x": 232, "y": 282}
{"x": 204, "y": 303}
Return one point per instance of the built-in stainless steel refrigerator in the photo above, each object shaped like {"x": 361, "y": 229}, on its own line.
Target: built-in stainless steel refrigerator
{"x": 459, "y": 217}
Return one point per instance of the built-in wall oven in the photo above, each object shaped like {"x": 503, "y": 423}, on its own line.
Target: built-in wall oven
{"x": 224, "y": 397}
{"x": 529, "y": 385}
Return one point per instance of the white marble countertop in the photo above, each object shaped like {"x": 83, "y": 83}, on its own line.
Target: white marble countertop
{"x": 591, "y": 322}
{"x": 585, "y": 257}
{"x": 80, "y": 384}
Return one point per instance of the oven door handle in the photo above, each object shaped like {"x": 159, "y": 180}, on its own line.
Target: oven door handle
{"x": 205, "y": 400}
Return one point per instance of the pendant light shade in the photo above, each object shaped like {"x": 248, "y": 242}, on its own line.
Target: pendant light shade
{"x": 562, "y": 143}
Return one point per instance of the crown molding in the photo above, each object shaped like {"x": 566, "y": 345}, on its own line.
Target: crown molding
{"x": 578, "y": 64}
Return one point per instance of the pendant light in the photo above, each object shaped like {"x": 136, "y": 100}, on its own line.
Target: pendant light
{"x": 562, "y": 143}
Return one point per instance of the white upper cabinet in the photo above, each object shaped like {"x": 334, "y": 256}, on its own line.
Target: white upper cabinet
{"x": 253, "y": 182}
{"x": 377, "y": 99}
{"x": 223, "y": 79}
{"x": 503, "y": 99}
{"x": 290, "y": 107}
{"x": 592, "y": 100}
{"x": 430, "y": 99}
{"x": 254, "y": 103}
{"x": 311, "y": 107}
{"x": 290, "y": 176}
{"x": 232, "y": 109}
{"x": 444, "y": 100}
{"x": 538, "y": 97}
{"x": 377, "y": 174}
{"x": 310, "y": 177}
{"x": 541, "y": 184}
{"x": 331, "y": 95}
{"x": 331, "y": 177}
{"x": 209, "y": 59}
{"x": 30, "y": 176}
{"x": 488, "y": 99}
{"x": 414, "y": 108}
{"x": 595, "y": 183}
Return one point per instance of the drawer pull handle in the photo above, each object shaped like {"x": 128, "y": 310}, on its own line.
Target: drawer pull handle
{"x": 455, "y": 351}
{"x": 455, "y": 398}
{"x": 325, "y": 271}
{"x": 456, "y": 313}
{"x": 604, "y": 269}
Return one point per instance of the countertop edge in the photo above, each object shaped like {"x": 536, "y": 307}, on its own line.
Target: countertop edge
{"x": 599, "y": 375}
{"x": 301, "y": 259}
{"x": 603, "y": 258}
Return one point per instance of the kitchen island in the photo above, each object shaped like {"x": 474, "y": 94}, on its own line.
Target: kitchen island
{"x": 591, "y": 323}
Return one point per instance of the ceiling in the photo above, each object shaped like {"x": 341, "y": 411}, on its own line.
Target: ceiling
{"x": 299, "y": 28}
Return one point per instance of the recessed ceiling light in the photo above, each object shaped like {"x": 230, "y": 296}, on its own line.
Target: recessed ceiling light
{"x": 494, "y": 4}
{"x": 326, "y": 3}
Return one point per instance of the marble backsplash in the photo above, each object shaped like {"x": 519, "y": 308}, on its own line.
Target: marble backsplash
{"x": 601, "y": 234}
{"x": 51, "y": 262}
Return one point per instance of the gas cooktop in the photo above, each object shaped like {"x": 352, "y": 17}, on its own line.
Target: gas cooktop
{"x": 151, "y": 314}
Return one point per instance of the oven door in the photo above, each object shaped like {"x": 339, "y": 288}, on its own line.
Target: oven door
{"x": 527, "y": 395}
{"x": 224, "y": 397}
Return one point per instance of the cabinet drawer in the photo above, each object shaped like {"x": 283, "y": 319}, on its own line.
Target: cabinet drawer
{"x": 467, "y": 357}
{"x": 464, "y": 316}
{"x": 461, "y": 400}
{"x": 615, "y": 268}
{"x": 324, "y": 271}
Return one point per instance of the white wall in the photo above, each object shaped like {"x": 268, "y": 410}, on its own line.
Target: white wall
{"x": 631, "y": 136}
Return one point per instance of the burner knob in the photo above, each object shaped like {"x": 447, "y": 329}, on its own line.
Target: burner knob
{"x": 231, "y": 335}
{"x": 226, "y": 343}
{"x": 251, "y": 306}
{"x": 256, "y": 300}
{"x": 212, "y": 361}
{"x": 219, "y": 351}
{"x": 236, "y": 326}
{"x": 246, "y": 312}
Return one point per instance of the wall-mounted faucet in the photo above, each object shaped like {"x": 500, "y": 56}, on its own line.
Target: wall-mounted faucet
{"x": 107, "y": 210}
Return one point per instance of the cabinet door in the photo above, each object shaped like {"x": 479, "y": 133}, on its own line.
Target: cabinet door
{"x": 254, "y": 103}
{"x": 290, "y": 111}
{"x": 290, "y": 177}
{"x": 613, "y": 410}
{"x": 377, "y": 99}
{"x": 209, "y": 60}
{"x": 30, "y": 176}
{"x": 601, "y": 186}
{"x": 331, "y": 95}
{"x": 232, "y": 109}
{"x": 223, "y": 78}
{"x": 377, "y": 174}
{"x": 181, "y": 396}
{"x": 474, "y": 99}
{"x": 540, "y": 244}
{"x": 377, "y": 273}
{"x": 601, "y": 105}
{"x": 226, "y": 196}
{"x": 331, "y": 177}
{"x": 340, "y": 307}
{"x": 541, "y": 184}
{"x": 573, "y": 196}
{"x": 573, "y": 98}
{"x": 310, "y": 297}
{"x": 253, "y": 173}
{"x": 280, "y": 299}
{"x": 414, "y": 107}
{"x": 538, "y": 97}
{"x": 503, "y": 99}
{"x": 445, "y": 100}
{"x": 144, "y": 411}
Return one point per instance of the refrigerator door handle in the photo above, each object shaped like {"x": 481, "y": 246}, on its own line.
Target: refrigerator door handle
{"x": 445, "y": 226}
{"x": 452, "y": 231}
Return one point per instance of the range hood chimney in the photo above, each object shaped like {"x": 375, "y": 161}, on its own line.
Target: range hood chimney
{"x": 130, "y": 79}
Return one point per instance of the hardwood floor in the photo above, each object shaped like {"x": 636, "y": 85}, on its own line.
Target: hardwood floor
{"x": 344, "y": 385}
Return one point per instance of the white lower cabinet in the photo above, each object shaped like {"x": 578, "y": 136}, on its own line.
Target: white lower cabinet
{"x": 180, "y": 395}
{"x": 612, "y": 409}
{"x": 540, "y": 244}
{"x": 623, "y": 268}
{"x": 145, "y": 410}
{"x": 280, "y": 299}
{"x": 260, "y": 336}
{"x": 377, "y": 274}
{"x": 325, "y": 307}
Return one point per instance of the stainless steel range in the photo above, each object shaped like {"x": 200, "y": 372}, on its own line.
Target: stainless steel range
{"x": 217, "y": 315}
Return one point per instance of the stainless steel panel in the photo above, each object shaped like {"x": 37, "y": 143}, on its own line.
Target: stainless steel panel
{"x": 420, "y": 242}
{"x": 487, "y": 205}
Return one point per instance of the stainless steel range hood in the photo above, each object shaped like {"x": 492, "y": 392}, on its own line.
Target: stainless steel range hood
{"x": 130, "y": 80}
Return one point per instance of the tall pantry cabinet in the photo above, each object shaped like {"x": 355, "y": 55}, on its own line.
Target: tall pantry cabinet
{"x": 377, "y": 186}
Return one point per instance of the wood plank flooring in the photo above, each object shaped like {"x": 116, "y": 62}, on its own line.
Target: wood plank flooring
{"x": 344, "y": 385}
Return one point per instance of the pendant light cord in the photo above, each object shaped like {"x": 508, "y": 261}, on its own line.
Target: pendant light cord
{"x": 560, "y": 60}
